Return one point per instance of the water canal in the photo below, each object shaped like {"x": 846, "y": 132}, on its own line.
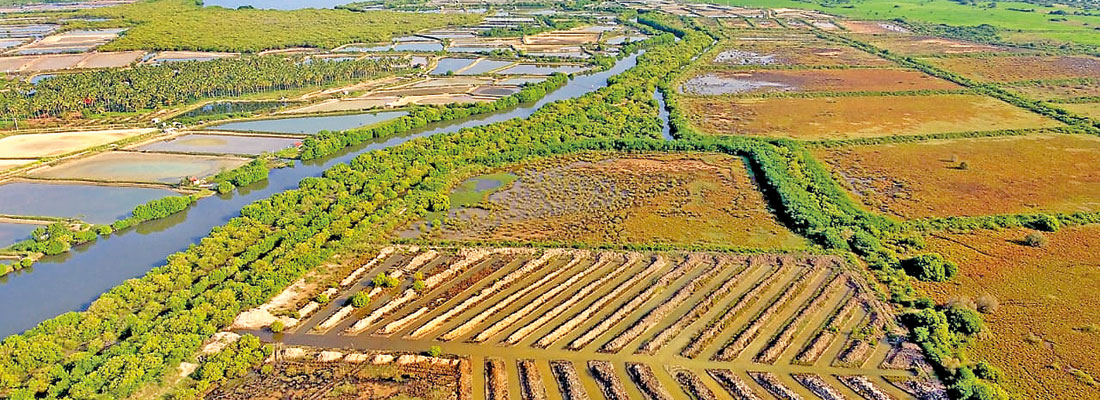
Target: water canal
{"x": 69, "y": 282}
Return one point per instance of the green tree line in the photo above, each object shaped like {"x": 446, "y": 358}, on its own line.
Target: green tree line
{"x": 153, "y": 86}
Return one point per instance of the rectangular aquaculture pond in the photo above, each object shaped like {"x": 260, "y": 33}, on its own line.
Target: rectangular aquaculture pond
{"x": 97, "y": 204}
{"x": 221, "y": 144}
{"x": 311, "y": 125}
{"x": 141, "y": 167}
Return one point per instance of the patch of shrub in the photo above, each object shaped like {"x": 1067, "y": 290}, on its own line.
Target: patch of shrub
{"x": 930, "y": 267}
{"x": 963, "y": 320}
{"x": 1045, "y": 223}
{"x": 383, "y": 280}
{"x": 434, "y": 351}
{"x": 360, "y": 299}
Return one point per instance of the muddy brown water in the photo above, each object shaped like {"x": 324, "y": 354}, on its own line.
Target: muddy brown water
{"x": 712, "y": 84}
{"x": 69, "y": 282}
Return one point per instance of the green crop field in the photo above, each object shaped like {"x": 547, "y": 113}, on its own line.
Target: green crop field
{"x": 1013, "y": 25}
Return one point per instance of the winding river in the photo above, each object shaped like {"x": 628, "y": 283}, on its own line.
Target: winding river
{"x": 70, "y": 282}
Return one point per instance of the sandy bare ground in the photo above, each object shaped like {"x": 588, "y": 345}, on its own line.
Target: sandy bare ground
{"x": 9, "y": 164}
{"x": 54, "y": 62}
{"x": 55, "y": 144}
{"x": 73, "y": 40}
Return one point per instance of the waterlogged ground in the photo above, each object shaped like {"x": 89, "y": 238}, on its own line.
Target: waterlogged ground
{"x": 814, "y": 80}
{"x": 574, "y": 323}
{"x": 311, "y": 125}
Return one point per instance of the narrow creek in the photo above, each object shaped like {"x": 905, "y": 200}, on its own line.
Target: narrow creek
{"x": 662, "y": 112}
{"x": 69, "y": 282}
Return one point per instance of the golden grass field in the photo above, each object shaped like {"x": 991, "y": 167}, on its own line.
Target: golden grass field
{"x": 1004, "y": 175}
{"x": 1091, "y": 110}
{"x": 1046, "y": 326}
{"x": 1057, "y": 90}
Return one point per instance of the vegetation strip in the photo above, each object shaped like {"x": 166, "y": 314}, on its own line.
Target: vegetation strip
{"x": 656, "y": 314}
{"x": 578, "y": 319}
{"x": 661, "y": 338}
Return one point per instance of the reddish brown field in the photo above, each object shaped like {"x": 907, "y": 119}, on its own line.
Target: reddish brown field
{"x": 856, "y": 117}
{"x": 1021, "y": 68}
{"x": 1004, "y": 175}
{"x": 793, "y": 53}
{"x": 1045, "y": 333}
{"x": 812, "y": 80}
{"x": 930, "y": 45}
{"x": 1052, "y": 91}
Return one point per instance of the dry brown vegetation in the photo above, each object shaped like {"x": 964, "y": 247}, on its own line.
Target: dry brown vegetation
{"x": 1057, "y": 90}
{"x": 1045, "y": 332}
{"x": 1002, "y": 175}
{"x": 1020, "y": 68}
{"x": 857, "y": 117}
{"x": 599, "y": 198}
{"x": 302, "y": 373}
{"x": 931, "y": 45}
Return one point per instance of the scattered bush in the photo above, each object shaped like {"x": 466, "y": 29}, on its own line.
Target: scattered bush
{"x": 434, "y": 351}
{"x": 963, "y": 320}
{"x": 385, "y": 281}
{"x": 360, "y": 299}
{"x": 987, "y": 371}
{"x": 987, "y": 303}
{"x": 277, "y": 326}
{"x": 1035, "y": 239}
